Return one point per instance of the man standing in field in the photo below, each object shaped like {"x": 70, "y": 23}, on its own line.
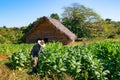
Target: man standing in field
{"x": 36, "y": 50}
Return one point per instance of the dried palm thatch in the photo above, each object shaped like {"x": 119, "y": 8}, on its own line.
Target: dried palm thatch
{"x": 50, "y": 29}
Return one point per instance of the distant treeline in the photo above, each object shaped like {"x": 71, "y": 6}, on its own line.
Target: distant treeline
{"x": 82, "y": 21}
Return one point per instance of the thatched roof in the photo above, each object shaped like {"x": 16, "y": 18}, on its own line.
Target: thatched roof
{"x": 56, "y": 24}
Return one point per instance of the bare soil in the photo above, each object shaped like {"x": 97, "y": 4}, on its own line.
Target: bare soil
{"x": 3, "y": 58}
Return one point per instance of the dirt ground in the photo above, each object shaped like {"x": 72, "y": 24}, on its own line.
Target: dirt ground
{"x": 3, "y": 58}
{"x": 21, "y": 74}
{"x": 8, "y": 74}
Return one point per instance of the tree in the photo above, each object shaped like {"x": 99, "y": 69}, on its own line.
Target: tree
{"x": 55, "y": 16}
{"x": 108, "y": 20}
{"x": 10, "y": 35}
{"x": 74, "y": 17}
{"x": 4, "y": 27}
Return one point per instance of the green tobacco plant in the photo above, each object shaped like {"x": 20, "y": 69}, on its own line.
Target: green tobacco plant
{"x": 76, "y": 61}
{"x": 94, "y": 61}
{"x": 19, "y": 59}
{"x": 108, "y": 53}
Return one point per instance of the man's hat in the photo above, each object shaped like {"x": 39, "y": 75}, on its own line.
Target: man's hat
{"x": 41, "y": 42}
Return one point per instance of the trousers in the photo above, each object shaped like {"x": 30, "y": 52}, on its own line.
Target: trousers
{"x": 34, "y": 64}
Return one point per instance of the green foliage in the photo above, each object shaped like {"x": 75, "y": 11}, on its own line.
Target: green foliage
{"x": 10, "y": 35}
{"x": 55, "y": 16}
{"x": 85, "y": 62}
{"x": 7, "y": 49}
{"x": 95, "y": 61}
{"x": 109, "y": 55}
{"x": 18, "y": 54}
{"x": 19, "y": 59}
{"x": 108, "y": 20}
{"x": 75, "y": 17}
{"x": 76, "y": 61}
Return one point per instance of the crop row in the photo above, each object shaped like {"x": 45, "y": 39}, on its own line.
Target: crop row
{"x": 95, "y": 61}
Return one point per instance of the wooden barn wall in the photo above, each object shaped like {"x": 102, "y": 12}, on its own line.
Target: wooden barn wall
{"x": 47, "y": 31}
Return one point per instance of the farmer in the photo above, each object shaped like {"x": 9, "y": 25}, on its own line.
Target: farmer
{"x": 36, "y": 50}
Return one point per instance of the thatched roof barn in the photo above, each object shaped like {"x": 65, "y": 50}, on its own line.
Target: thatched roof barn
{"x": 49, "y": 29}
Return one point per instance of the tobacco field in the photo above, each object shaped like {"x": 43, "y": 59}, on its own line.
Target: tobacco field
{"x": 93, "y": 61}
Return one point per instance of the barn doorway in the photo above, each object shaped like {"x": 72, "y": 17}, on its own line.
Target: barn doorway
{"x": 46, "y": 40}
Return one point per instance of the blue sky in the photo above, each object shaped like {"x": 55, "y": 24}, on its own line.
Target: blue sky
{"x": 17, "y": 13}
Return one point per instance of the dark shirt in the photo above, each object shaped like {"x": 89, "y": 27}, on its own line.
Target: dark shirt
{"x": 36, "y": 50}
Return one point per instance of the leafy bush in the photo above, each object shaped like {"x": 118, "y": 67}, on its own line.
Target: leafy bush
{"x": 19, "y": 59}
{"x": 108, "y": 53}
{"x": 96, "y": 61}
{"x": 76, "y": 61}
